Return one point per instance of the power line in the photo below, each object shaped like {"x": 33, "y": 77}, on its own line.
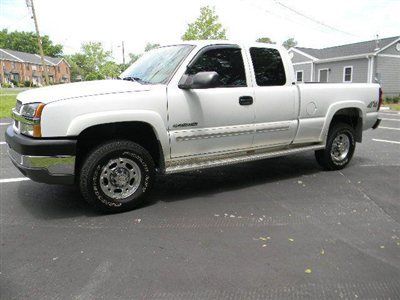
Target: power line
{"x": 284, "y": 17}
{"x": 311, "y": 19}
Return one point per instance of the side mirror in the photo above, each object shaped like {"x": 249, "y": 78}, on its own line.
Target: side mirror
{"x": 201, "y": 80}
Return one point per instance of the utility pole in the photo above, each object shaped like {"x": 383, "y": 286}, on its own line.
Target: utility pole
{"x": 123, "y": 52}
{"x": 29, "y": 3}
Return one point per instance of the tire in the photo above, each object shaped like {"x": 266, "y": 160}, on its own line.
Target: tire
{"x": 117, "y": 176}
{"x": 340, "y": 147}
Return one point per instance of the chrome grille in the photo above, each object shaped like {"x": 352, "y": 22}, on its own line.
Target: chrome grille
{"x": 18, "y": 107}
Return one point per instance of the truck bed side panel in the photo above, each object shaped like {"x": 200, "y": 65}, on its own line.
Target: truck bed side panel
{"x": 320, "y": 102}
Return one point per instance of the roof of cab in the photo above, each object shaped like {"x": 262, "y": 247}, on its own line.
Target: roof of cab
{"x": 202, "y": 43}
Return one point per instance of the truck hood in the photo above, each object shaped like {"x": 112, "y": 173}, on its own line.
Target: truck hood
{"x": 80, "y": 89}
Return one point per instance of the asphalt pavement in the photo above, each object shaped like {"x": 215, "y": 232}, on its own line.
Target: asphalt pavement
{"x": 274, "y": 229}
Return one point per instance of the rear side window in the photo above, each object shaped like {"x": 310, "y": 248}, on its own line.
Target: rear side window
{"x": 268, "y": 67}
{"x": 227, "y": 62}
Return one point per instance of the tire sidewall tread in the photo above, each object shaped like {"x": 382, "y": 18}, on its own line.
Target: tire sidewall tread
{"x": 324, "y": 156}
{"x": 94, "y": 162}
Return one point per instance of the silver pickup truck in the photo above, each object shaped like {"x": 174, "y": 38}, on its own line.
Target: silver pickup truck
{"x": 180, "y": 108}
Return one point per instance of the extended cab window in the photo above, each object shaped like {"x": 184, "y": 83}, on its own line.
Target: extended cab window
{"x": 227, "y": 62}
{"x": 268, "y": 66}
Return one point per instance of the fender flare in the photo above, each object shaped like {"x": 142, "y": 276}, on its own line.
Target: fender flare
{"x": 335, "y": 107}
{"x": 82, "y": 122}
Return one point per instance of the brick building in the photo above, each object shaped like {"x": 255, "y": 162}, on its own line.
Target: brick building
{"x": 21, "y": 66}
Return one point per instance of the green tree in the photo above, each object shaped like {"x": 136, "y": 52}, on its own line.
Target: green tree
{"x": 93, "y": 62}
{"x": 289, "y": 43}
{"x": 265, "y": 40}
{"x": 133, "y": 57}
{"x": 150, "y": 46}
{"x": 27, "y": 42}
{"x": 205, "y": 27}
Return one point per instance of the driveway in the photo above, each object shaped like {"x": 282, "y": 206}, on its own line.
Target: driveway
{"x": 279, "y": 228}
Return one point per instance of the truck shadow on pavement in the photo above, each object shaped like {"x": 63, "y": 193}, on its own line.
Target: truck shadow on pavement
{"x": 59, "y": 202}
{"x": 213, "y": 181}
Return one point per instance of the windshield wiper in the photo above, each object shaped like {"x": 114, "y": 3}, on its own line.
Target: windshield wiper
{"x": 133, "y": 78}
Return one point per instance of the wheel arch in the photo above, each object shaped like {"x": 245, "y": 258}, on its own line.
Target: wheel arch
{"x": 139, "y": 132}
{"x": 352, "y": 113}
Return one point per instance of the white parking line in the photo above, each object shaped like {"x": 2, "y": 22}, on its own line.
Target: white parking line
{"x": 4, "y": 124}
{"x": 387, "y": 119}
{"x": 3, "y": 143}
{"x": 391, "y": 128}
{"x": 13, "y": 179}
{"x": 386, "y": 141}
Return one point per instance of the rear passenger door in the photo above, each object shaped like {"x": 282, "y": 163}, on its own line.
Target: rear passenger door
{"x": 275, "y": 99}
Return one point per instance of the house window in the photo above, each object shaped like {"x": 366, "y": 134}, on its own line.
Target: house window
{"x": 348, "y": 74}
{"x": 299, "y": 76}
{"x": 27, "y": 67}
{"x": 58, "y": 68}
{"x": 323, "y": 75}
{"x": 13, "y": 65}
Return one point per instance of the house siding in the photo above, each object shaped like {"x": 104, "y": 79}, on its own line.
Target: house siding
{"x": 360, "y": 70}
{"x": 388, "y": 72}
{"x": 306, "y": 67}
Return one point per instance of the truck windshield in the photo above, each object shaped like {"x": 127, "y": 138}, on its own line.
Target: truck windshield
{"x": 157, "y": 65}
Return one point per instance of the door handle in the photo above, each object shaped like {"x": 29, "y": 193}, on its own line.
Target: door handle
{"x": 245, "y": 100}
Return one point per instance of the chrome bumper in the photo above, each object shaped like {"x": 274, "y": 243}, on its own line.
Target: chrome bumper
{"x": 54, "y": 165}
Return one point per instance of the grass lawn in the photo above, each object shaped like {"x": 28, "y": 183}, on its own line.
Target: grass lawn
{"x": 6, "y": 104}
{"x": 7, "y": 100}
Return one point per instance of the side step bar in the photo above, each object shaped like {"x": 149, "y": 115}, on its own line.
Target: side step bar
{"x": 194, "y": 164}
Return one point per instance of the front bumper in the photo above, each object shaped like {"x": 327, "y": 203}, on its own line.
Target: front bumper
{"x": 42, "y": 160}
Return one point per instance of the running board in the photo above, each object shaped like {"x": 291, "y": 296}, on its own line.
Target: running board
{"x": 185, "y": 165}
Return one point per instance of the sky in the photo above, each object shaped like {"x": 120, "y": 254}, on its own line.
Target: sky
{"x": 313, "y": 23}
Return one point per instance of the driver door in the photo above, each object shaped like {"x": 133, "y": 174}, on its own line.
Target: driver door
{"x": 213, "y": 120}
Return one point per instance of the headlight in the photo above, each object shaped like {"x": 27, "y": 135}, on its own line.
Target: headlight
{"x": 29, "y": 119}
{"x": 30, "y": 110}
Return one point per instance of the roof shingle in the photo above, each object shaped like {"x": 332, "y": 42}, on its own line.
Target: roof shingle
{"x": 349, "y": 49}
{"x": 7, "y": 54}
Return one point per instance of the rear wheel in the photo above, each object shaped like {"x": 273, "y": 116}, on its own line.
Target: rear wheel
{"x": 117, "y": 176}
{"x": 339, "y": 149}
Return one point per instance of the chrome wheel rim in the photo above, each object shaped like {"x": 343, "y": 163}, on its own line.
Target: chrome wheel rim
{"x": 340, "y": 147}
{"x": 120, "y": 178}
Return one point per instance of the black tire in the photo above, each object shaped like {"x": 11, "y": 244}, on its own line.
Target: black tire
{"x": 324, "y": 156}
{"x": 96, "y": 163}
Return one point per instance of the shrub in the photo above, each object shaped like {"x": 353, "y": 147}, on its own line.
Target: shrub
{"x": 6, "y": 85}
{"x": 395, "y": 99}
{"x": 27, "y": 83}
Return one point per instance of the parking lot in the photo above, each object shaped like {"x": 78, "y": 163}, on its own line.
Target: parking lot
{"x": 278, "y": 228}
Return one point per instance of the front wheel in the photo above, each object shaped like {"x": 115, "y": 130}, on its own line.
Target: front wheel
{"x": 340, "y": 147}
{"x": 117, "y": 176}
